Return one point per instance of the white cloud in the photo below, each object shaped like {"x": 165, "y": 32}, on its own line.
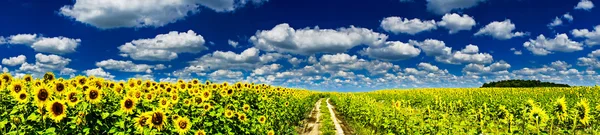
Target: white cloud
{"x": 266, "y": 70}
{"x": 164, "y": 47}
{"x": 283, "y": 38}
{"x": 445, "y": 6}
{"x": 455, "y": 22}
{"x": 232, "y": 43}
{"x": 568, "y": 16}
{"x": 500, "y": 67}
{"x": 544, "y": 46}
{"x": 127, "y": 66}
{"x": 591, "y": 61}
{"x": 109, "y": 14}
{"x": 595, "y": 53}
{"x": 393, "y": 50}
{"x": 500, "y": 30}
{"x": 559, "y": 20}
{"x": 22, "y": 39}
{"x": 399, "y": 25}
{"x": 295, "y": 61}
{"x": 98, "y": 72}
{"x": 226, "y": 74}
{"x": 2, "y": 40}
{"x": 13, "y": 61}
{"x": 516, "y": 52}
{"x": 55, "y": 45}
{"x": 560, "y": 65}
{"x": 47, "y": 63}
{"x": 592, "y": 37}
{"x": 585, "y": 5}
{"x": 444, "y": 54}
{"x": 428, "y": 67}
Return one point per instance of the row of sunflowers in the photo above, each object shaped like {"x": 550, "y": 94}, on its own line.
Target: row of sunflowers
{"x": 91, "y": 105}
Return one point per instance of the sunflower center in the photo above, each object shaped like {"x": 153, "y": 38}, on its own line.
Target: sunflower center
{"x": 85, "y": 88}
{"x": 163, "y": 102}
{"x": 206, "y": 107}
{"x": 81, "y": 81}
{"x": 157, "y": 119}
{"x": 93, "y": 94}
{"x": 262, "y": 119}
{"x": 28, "y": 79}
{"x": 42, "y": 95}
{"x": 206, "y": 94}
{"x": 17, "y": 88}
{"x": 183, "y": 124}
{"x": 174, "y": 97}
{"x": 168, "y": 89}
{"x": 128, "y": 103}
{"x": 22, "y": 96}
{"x": 229, "y": 91}
{"x": 142, "y": 121}
{"x": 60, "y": 87}
{"x": 57, "y": 108}
{"x": 72, "y": 97}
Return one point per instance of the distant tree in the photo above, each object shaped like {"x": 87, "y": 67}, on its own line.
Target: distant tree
{"x": 522, "y": 83}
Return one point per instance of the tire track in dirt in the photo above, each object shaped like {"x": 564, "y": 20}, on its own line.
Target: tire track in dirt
{"x": 312, "y": 122}
{"x": 338, "y": 128}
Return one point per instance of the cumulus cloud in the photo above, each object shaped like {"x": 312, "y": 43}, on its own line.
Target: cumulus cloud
{"x": 164, "y": 47}
{"x": 142, "y": 13}
{"x": 585, "y": 5}
{"x": 99, "y": 72}
{"x": 445, "y": 6}
{"x": 500, "y": 67}
{"x": 428, "y": 67}
{"x": 592, "y": 37}
{"x": 266, "y": 70}
{"x": 14, "y": 61}
{"x": 128, "y": 66}
{"x": 226, "y": 75}
{"x": 455, "y": 22}
{"x": 559, "y": 20}
{"x": 399, "y": 25}
{"x": 500, "y": 30}
{"x": 232, "y": 43}
{"x": 47, "y": 63}
{"x": 307, "y": 41}
{"x": 591, "y": 61}
{"x": 544, "y": 46}
{"x": 393, "y": 50}
{"x": 444, "y": 54}
{"x": 55, "y": 45}
{"x": 516, "y": 52}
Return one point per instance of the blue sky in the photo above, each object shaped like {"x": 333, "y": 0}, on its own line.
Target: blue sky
{"x": 340, "y": 45}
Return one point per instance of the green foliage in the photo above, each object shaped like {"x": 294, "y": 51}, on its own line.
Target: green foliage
{"x": 522, "y": 83}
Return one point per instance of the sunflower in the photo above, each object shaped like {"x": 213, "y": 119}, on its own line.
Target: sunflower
{"x": 93, "y": 95}
{"x": 59, "y": 87}
{"x": 42, "y": 95}
{"x": 22, "y": 97}
{"x": 195, "y": 81}
{"x": 242, "y": 117}
{"x": 142, "y": 121}
{"x": 157, "y": 119}
{"x": 127, "y": 105}
{"x": 57, "y": 109}
{"x": 27, "y": 78}
{"x": 560, "y": 108}
{"x": 262, "y": 119}
{"x": 81, "y": 80}
{"x": 174, "y": 98}
{"x": 207, "y": 107}
{"x": 149, "y": 97}
{"x": 16, "y": 87}
{"x": 186, "y": 102}
{"x": 6, "y": 77}
{"x": 206, "y": 94}
{"x": 200, "y": 132}
{"x": 229, "y": 113}
{"x": 118, "y": 89}
{"x": 49, "y": 76}
{"x": 182, "y": 125}
{"x": 537, "y": 115}
{"x": 163, "y": 103}
{"x": 246, "y": 107}
{"x": 271, "y": 132}
{"x": 287, "y": 104}
{"x": 583, "y": 111}
{"x": 73, "y": 98}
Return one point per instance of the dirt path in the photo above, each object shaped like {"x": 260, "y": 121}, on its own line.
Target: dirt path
{"x": 312, "y": 123}
{"x": 336, "y": 122}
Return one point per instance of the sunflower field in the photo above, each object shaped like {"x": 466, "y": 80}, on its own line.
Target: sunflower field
{"x": 571, "y": 110}
{"x": 90, "y": 105}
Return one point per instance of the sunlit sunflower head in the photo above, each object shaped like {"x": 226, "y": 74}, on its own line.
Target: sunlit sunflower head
{"x": 206, "y": 94}
{"x": 49, "y": 76}
{"x": 93, "y": 95}
{"x": 163, "y": 103}
{"x": 128, "y": 105}
{"x": 538, "y": 115}
{"x": 98, "y": 83}
{"x": 198, "y": 100}
{"x": 186, "y": 102}
{"x": 200, "y": 132}
{"x": 42, "y": 95}
{"x": 182, "y": 125}
{"x": 287, "y": 104}
{"x": 27, "y": 78}
{"x": 81, "y": 80}
{"x": 195, "y": 81}
{"x": 262, "y": 119}
{"x": 207, "y": 107}
{"x": 6, "y": 77}
{"x": 242, "y": 117}
{"x": 246, "y": 107}
{"x": 22, "y": 97}
{"x": 16, "y": 87}
{"x": 583, "y": 111}
{"x": 141, "y": 121}
{"x": 73, "y": 98}
{"x": 271, "y": 132}
{"x": 229, "y": 113}
{"x": 57, "y": 109}
{"x": 157, "y": 119}
{"x": 174, "y": 98}
{"x": 118, "y": 89}
{"x": 59, "y": 87}
{"x": 131, "y": 84}
{"x": 149, "y": 97}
